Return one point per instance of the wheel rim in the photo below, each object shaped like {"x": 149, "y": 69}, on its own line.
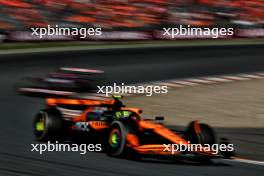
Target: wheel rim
{"x": 115, "y": 138}
{"x": 39, "y": 125}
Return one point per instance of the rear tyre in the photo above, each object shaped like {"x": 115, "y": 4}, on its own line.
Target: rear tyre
{"x": 117, "y": 139}
{"x": 116, "y": 146}
{"x": 48, "y": 125}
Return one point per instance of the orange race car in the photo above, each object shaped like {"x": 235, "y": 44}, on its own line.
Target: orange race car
{"x": 122, "y": 130}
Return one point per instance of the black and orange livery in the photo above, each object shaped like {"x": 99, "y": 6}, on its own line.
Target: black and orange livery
{"x": 121, "y": 129}
{"x": 69, "y": 115}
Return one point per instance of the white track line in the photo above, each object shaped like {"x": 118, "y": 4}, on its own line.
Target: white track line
{"x": 200, "y": 81}
{"x": 218, "y": 79}
{"x": 247, "y": 161}
{"x": 260, "y": 74}
{"x": 252, "y": 76}
{"x": 236, "y": 78}
{"x": 207, "y": 80}
{"x": 185, "y": 83}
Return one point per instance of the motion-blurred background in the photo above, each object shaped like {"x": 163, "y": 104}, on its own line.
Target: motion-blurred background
{"x": 234, "y": 109}
{"x": 144, "y": 18}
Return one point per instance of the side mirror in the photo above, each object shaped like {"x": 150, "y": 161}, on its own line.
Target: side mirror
{"x": 159, "y": 118}
{"x": 117, "y": 96}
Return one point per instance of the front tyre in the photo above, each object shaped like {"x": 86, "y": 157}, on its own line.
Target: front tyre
{"x": 206, "y": 134}
{"x": 199, "y": 133}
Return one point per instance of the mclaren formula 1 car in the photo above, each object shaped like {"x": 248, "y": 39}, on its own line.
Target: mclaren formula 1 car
{"x": 122, "y": 130}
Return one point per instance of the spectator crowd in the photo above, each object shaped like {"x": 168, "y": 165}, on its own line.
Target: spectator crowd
{"x": 19, "y": 15}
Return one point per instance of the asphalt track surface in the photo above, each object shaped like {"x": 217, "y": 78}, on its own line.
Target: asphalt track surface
{"x": 122, "y": 66}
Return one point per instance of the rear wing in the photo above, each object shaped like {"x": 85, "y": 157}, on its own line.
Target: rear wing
{"x": 87, "y": 102}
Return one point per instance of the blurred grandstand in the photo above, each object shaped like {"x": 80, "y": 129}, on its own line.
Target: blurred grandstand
{"x": 130, "y": 15}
